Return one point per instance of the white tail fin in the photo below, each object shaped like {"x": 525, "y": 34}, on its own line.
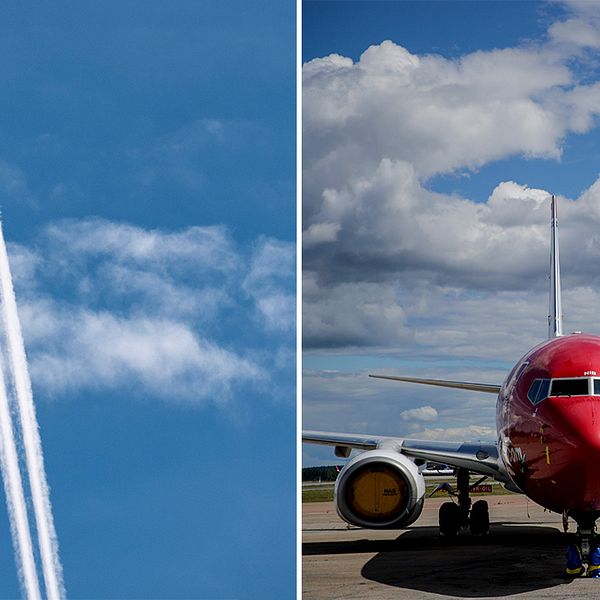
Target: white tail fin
{"x": 555, "y": 307}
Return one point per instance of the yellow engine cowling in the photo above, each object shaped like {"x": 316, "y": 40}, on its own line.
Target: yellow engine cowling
{"x": 380, "y": 489}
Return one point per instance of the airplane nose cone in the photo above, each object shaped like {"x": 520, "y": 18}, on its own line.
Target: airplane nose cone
{"x": 577, "y": 420}
{"x": 573, "y": 449}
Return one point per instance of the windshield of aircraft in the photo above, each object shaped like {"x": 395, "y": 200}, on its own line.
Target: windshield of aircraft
{"x": 570, "y": 387}
{"x": 540, "y": 389}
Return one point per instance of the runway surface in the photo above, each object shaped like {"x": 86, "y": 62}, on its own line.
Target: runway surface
{"x": 523, "y": 557}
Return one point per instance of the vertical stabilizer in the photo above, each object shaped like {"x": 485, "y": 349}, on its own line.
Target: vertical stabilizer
{"x": 555, "y": 308}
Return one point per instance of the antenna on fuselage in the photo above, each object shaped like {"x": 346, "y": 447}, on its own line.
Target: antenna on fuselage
{"x": 555, "y": 308}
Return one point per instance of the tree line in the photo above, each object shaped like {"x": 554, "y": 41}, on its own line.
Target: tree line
{"x": 328, "y": 473}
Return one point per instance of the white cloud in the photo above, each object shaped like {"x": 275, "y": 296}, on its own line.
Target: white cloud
{"x": 581, "y": 28}
{"x": 409, "y": 264}
{"x": 442, "y": 285}
{"x": 470, "y": 432}
{"x": 577, "y": 32}
{"x": 99, "y": 350}
{"x": 439, "y": 114}
{"x": 390, "y": 221}
{"x": 320, "y": 233}
{"x": 270, "y": 282}
{"x": 466, "y": 325}
{"x": 421, "y": 413}
{"x": 208, "y": 248}
{"x": 109, "y": 306}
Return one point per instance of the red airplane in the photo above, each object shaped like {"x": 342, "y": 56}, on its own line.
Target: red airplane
{"x": 548, "y": 445}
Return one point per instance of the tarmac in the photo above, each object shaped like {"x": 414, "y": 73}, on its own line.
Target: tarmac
{"x": 523, "y": 556}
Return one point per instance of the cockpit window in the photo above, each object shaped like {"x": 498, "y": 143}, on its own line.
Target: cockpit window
{"x": 570, "y": 387}
{"x": 538, "y": 390}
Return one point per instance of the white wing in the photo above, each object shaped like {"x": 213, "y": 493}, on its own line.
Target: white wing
{"x": 479, "y": 457}
{"x": 488, "y": 388}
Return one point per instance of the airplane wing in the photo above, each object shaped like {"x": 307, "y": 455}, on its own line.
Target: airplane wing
{"x": 463, "y": 385}
{"x": 479, "y": 457}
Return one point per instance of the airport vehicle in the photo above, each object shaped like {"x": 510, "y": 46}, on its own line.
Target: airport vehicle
{"x": 548, "y": 444}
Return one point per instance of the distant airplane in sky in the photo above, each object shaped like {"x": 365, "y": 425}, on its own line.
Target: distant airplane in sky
{"x": 548, "y": 447}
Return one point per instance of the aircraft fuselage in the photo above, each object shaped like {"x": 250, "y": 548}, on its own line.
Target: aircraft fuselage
{"x": 548, "y": 418}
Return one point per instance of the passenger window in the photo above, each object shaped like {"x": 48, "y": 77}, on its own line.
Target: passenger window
{"x": 570, "y": 387}
{"x": 596, "y": 387}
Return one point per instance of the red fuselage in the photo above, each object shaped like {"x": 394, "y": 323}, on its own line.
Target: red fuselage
{"x": 548, "y": 418}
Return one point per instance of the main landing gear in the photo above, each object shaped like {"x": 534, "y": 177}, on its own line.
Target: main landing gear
{"x": 586, "y": 549}
{"x": 453, "y": 517}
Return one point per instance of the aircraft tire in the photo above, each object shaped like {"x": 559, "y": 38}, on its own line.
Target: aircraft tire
{"x": 449, "y": 519}
{"x": 479, "y": 519}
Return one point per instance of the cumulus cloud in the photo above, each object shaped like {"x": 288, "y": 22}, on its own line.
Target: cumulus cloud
{"x": 402, "y": 248}
{"x": 351, "y": 314}
{"x": 577, "y": 32}
{"x": 319, "y": 233}
{"x": 437, "y": 113}
{"x": 389, "y": 221}
{"x": 438, "y": 282}
{"x": 421, "y": 413}
{"x": 581, "y": 28}
{"x": 379, "y": 244}
{"x": 110, "y": 306}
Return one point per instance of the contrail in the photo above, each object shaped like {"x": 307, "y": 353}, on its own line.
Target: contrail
{"x": 34, "y": 459}
{"x": 15, "y": 501}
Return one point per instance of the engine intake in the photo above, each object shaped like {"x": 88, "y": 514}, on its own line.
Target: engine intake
{"x": 380, "y": 489}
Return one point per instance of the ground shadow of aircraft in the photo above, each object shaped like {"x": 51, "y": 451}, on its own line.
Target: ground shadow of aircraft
{"x": 513, "y": 559}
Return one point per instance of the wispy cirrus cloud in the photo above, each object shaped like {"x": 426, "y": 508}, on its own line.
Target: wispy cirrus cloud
{"x": 180, "y": 156}
{"x": 107, "y": 304}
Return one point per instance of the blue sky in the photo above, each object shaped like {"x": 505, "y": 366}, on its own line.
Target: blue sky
{"x": 448, "y": 28}
{"x": 433, "y": 134}
{"x": 147, "y": 184}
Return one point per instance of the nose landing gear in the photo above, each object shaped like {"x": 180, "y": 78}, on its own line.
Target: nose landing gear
{"x": 585, "y": 551}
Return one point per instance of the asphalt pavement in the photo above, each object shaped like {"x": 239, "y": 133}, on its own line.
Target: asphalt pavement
{"x": 522, "y": 557}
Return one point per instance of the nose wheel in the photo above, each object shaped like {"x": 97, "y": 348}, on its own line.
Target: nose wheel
{"x": 455, "y": 516}
{"x": 585, "y": 552}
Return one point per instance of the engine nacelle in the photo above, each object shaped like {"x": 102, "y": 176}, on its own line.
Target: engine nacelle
{"x": 380, "y": 489}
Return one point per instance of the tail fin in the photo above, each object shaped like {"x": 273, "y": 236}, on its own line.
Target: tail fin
{"x": 555, "y": 308}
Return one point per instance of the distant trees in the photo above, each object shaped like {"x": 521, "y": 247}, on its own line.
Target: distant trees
{"x": 328, "y": 473}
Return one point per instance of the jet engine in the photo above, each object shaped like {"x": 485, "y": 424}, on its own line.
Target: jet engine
{"x": 380, "y": 489}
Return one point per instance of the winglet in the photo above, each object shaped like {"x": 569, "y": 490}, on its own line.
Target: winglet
{"x": 555, "y": 308}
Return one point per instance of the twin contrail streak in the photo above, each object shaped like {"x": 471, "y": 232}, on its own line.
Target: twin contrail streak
{"x": 15, "y": 500}
{"x": 48, "y": 545}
